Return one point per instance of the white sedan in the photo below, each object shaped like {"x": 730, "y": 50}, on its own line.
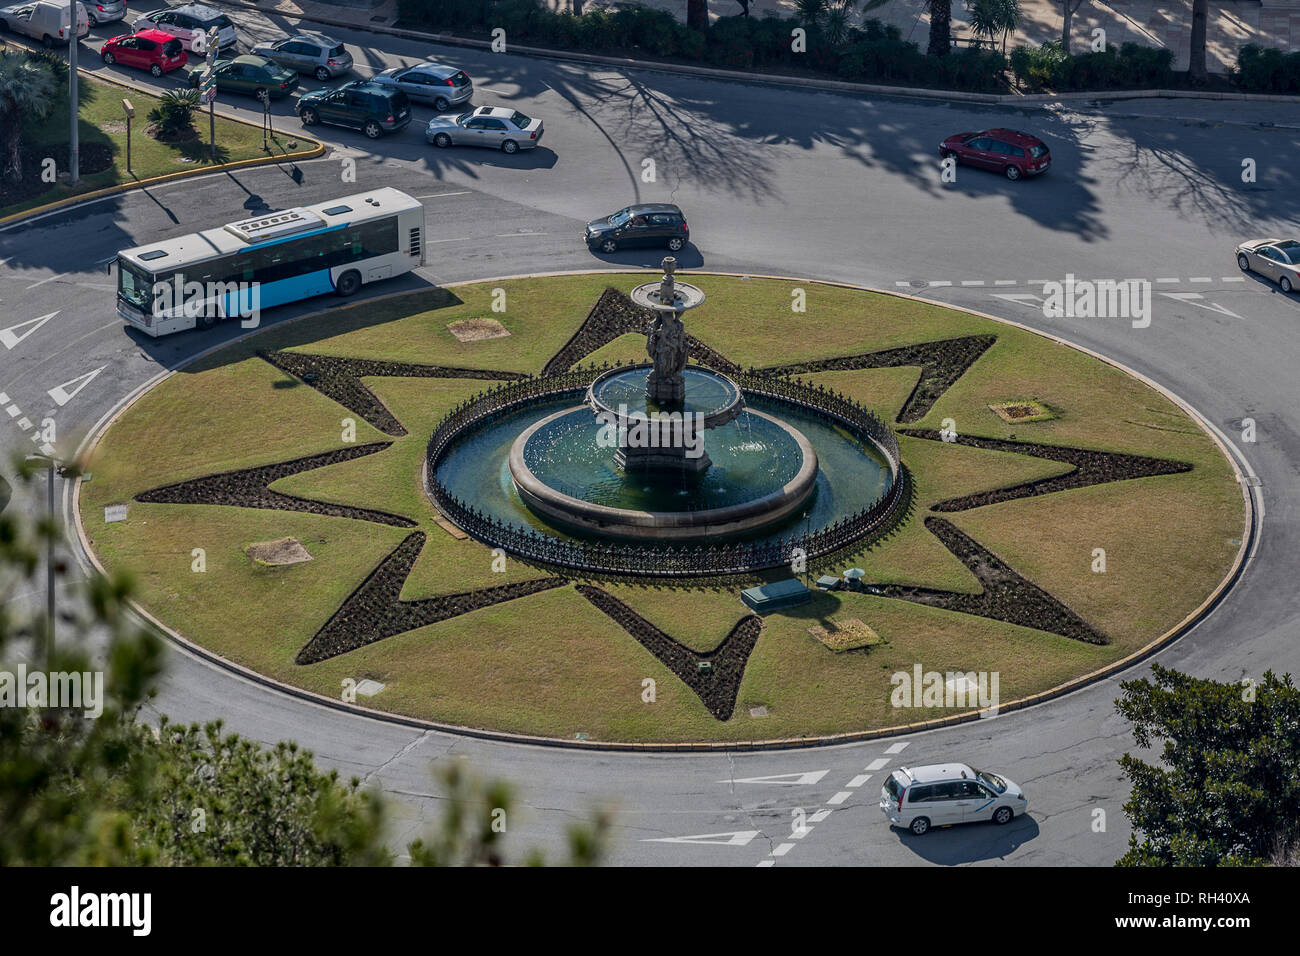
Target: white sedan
{"x": 495, "y": 127}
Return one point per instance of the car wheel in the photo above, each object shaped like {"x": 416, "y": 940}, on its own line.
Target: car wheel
{"x": 920, "y": 826}
{"x": 348, "y": 283}
{"x": 675, "y": 243}
{"x": 1002, "y": 816}
{"x": 510, "y": 147}
{"x": 155, "y": 70}
{"x": 373, "y": 129}
{"x": 309, "y": 117}
{"x": 441, "y": 104}
{"x": 1284, "y": 284}
{"x": 1013, "y": 173}
{"x": 91, "y": 21}
{"x": 1243, "y": 262}
{"x": 608, "y": 245}
{"x": 442, "y": 140}
{"x": 108, "y": 58}
{"x": 322, "y": 74}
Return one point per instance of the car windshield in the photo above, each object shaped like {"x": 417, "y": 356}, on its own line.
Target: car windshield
{"x": 462, "y": 119}
{"x": 992, "y": 780}
{"x": 1036, "y": 151}
{"x": 520, "y": 120}
{"x": 620, "y": 217}
{"x": 222, "y": 22}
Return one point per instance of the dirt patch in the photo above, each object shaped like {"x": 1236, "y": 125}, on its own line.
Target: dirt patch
{"x": 475, "y": 330}
{"x": 847, "y": 635}
{"x": 1026, "y": 410}
{"x": 278, "y": 553}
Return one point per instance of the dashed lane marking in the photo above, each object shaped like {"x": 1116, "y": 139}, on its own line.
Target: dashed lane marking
{"x": 897, "y": 748}
{"x": 877, "y": 764}
{"x": 783, "y": 849}
{"x": 840, "y": 797}
{"x": 859, "y": 780}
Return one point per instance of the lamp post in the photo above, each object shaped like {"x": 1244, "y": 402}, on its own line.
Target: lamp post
{"x": 129, "y": 110}
{"x": 74, "y": 161}
{"x": 51, "y": 463}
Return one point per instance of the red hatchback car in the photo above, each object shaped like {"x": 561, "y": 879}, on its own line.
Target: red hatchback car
{"x": 150, "y": 50}
{"x": 1012, "y": 153}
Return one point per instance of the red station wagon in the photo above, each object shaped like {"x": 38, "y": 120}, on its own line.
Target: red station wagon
{"x": 1012, "y": 153}
{"x": 150, "y": 50}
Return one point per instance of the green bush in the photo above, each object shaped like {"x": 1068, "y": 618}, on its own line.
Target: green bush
{"x": 1040, "y": 67}
{"x": 1144, "y": 66}
{"x": 1270, "y": 70}
{"x": 174, "y": 112}
{"x": 691, "y": 44}
{"x": 730, "y": 44}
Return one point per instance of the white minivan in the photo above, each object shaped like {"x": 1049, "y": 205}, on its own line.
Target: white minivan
{"x": 44, "y": 20}
{"x": 939, "y": 795}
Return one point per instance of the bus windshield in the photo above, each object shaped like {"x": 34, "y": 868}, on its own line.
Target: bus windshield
{"x": 134, "y": 285}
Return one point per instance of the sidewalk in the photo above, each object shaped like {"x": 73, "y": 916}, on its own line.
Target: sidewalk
{"x": 1159, "y": 23}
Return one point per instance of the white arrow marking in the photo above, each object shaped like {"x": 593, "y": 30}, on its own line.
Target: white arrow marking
{"x": 10, "y": 338}
{"x": 785, "y": 779}
{"x": 62, "y": 394}
{"x": 1027, "y": 299}
{"x": 1191, "y": 297}
{"x": 735, "y": 838}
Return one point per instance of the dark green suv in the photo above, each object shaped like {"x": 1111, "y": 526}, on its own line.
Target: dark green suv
{"x": 369, "y": 107}
{"x": 249, "y": 74}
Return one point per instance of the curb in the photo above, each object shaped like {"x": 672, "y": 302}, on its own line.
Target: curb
{"x": 68, "y": 201}
{"x": 781, "y": 79}
{"x": 88, "y": 558}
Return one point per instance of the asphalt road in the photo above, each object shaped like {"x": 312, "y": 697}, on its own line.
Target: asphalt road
{"x": 773, "y": 181}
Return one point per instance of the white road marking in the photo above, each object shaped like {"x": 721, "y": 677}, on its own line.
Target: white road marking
{"x": 1028, "y": 299}
{"x": 1004, "y": 281}
{"x": 25, "y": 423}
{"x": 936, "y": 283}
{"x": 1233, "y": 279}
{"x": 840, "y": 797}
{"x": 877, "y": 763}
{"x": 463, "y": 192}
{"x": 970, "y": 282}
{"x": 1201, "y": 279}
{"x": 61, "y": 393}
{"x": 50, "y": 279}
{"x": 783, "y": 849}
{"x": 767, "y": 862}
{"x": 9, "y": 336}
{"x": 516, "y": 235}
{"x": 733, "y": 838}
{"x": 1168, "y": 281}
{"x": 800, "y": 832}
{"x": 897, "y": 748}
{"x": 859, "y": 780}
{"x": 820, "y": 815}
{"x": 433, "y": 242}
{"x": 13, "y": 410}
{"x": 785, "y": 779}
{"x": 1191, "y": 297}
{"x": 4, "y": 398}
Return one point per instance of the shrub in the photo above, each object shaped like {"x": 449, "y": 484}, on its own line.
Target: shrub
{"x": 52, "y": 61}
{"x": 174, "y": 113}
{"x": 729, "y": 43}
{"x": 1045, "y": 66}
{"x": 1267, "y": 70}
{"x": 691, "y": 43}
{"x": 1144, "y": 65}
{"x": 1094, "y": 71}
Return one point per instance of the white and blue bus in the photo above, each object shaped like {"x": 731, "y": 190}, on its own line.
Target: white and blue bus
{"x": 269, "y": 260}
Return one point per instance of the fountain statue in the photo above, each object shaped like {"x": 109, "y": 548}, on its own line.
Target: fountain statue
{"x": 666, "y": 344}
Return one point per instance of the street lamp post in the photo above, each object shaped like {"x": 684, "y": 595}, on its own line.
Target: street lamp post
{"x": 74, "y": 161}
{"x": 51, "y": 464}
{"x": 129, "y": 110}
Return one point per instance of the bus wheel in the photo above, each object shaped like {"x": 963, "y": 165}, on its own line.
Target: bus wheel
{"x": 206, "y": 321}
{"x": 348, "y": 283}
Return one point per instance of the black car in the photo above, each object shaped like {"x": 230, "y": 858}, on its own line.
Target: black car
{"x": 370, "y": 107}
{"x": 648, "y": 224}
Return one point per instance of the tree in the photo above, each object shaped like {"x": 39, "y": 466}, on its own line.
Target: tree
{"x": 27, "y": 91}
{"x": 1068, "y": 9}
{"x": 1229, "y": 790}
{"x": 940, "y": 27}
{"x": 697, "y": 14}
{"x": 1196, "y": 68}
{"x": 77, "y": 789}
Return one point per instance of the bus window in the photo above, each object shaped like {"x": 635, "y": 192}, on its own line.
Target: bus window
{"x": 134, "y": 285}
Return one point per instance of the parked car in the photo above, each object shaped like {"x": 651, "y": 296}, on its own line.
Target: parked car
{"x": 369, "y": 107}
{"x": 1276, "y": 259}
{"x": 44, "y": 20}
{"x": 321, "y": 56}
{"x": 190, "y": 24}
{"x": 1008, "y": 151}
{"x": 919, "y": 798}
{"x": 647, "y": 224}
{"x": 104, "y": 11}
{"x": 251, "y": 75}
{"x": 496, "y": 127}
{"x": 150, "y": 50}
{"x": 440, "y": 86}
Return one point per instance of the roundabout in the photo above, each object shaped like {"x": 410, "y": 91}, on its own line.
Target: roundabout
{"x": 431, "y": 573}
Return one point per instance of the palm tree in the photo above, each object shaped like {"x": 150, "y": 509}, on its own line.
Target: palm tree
{"x": 27, "y": 90}
{"x": 1196, "y": 54}
{"x": 990, "y": 17}
{"x": 940, "y": 27}
{"x": 697, "y": 14}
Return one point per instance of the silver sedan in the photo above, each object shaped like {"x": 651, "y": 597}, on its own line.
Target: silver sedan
{"x": 1276, "y": 259}
{"x": 496, "y": 127}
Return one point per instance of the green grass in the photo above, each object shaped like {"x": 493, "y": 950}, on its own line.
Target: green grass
{"x": 551, "y": 663}
{"x": 102, "y": 121}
